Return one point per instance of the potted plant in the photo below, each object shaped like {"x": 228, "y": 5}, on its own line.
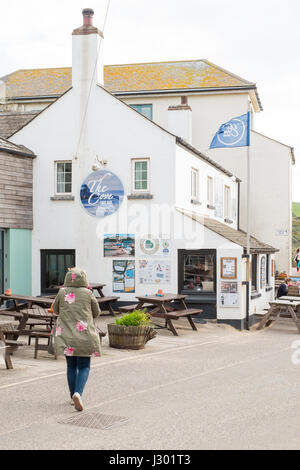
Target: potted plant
{"x": 131, "y": 331}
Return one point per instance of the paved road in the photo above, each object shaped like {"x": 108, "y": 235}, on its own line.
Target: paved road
{"x": 218, "y": 390}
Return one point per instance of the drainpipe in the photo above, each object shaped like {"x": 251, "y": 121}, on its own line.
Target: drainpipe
{"x": 238, "y": 205}
{"x": 247, "y": 284}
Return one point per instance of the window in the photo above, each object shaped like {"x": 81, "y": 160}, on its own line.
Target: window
{"x": 263, "y": 272}
{"x": 144, "y": 109}
{"x": 210, "y": 191}
{"x": 197, "y": 272}
{"x": 254, "y": 272}
{"x": 54, "y": 266}
{"x": 268, "y": 270}
{"x": 194, "y": 184}
{"x": 140, "y": 170}
{"x": 227, "y": 203}
{"x": 63, "y": 177}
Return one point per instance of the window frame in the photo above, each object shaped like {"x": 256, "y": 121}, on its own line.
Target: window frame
{"x": 210, "y": 190}
{"x": 143, "y": 105}
{"x": 227, "y": 202}
{"x": 195, "y": 171}
{"x": 56, "y": 180}
{"x": 133, "y": 162}
{"x": 43, "y": 254}
{"x": 254, "y": 273}
{"x": 201, "y": 252}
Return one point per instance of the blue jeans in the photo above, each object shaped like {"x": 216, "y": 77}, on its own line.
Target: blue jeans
{"x": 78, "y": 369}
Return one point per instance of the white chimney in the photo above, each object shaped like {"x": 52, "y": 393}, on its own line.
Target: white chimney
{"x": 87, "y": 65}
{"x": 180, "y": 120}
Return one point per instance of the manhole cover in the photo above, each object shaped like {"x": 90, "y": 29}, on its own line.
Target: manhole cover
{"x": 95, "y": 420}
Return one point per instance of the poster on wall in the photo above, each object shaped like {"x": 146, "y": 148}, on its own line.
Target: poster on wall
{"x": 219, "y": 197}
{"x": 154, "y": 272}
{"x": 228, "y": 268}
{"x": 123, "y": 276}
{"x": 229, "y": 294}
{"x": 101, "y": 193}
{"x": 119, "y": 244}
{"x": 155, "y": 246}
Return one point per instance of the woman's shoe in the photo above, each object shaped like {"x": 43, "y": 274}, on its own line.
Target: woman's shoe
{"x": 77, "y": 401}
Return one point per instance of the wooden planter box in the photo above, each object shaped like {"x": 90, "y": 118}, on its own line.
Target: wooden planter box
{"x": 129, "y": 337}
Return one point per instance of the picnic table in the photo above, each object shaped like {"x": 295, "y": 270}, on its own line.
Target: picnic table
{"x": 41, "y": 316}
{"x": 164, "y": 308}
{"x": 104, "y": 301}
{"x": 8, "y": 346}
{"x": 281, "y": 308}
{"x": 21, "y": 301}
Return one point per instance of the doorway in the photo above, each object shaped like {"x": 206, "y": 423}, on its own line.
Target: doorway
{"x": 54, "y": 266}
{"x": 197, "y": 271}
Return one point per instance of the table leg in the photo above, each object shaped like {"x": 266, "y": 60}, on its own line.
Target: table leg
{"x": 100, "y": 292}
{"x": 171, "y": 326}
{"x": 189, "y": 317}
{"x": 265, "y": 318}
{"x": 294, "y": 317}
{"x": 7, "y": 357}
{"x": 168, "y": 322}
{"x": 111, "y": 310}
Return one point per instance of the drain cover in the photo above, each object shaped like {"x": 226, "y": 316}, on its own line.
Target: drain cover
{"x": 95, "y": 420}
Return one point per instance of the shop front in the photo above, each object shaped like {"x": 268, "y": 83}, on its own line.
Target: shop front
{"x": 197, "y": 278}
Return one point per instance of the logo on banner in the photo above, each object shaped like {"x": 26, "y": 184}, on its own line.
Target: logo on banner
{"x": 232, "y": 132}
{"x": 101, "y": 193}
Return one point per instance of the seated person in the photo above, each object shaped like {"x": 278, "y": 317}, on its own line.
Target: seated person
{"x": 283, "y": 288}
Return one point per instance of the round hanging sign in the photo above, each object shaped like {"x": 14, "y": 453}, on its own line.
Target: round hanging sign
{"x": 101, "y": 193}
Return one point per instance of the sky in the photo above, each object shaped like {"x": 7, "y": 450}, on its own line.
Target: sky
{"x": 257, "y": 40}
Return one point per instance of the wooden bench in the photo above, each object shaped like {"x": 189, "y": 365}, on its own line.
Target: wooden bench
{"x": 41, "y": 347}
{"x": 175, "y": 315}
{"x": 131, "y": 308}
{"x": 108, "y": 301}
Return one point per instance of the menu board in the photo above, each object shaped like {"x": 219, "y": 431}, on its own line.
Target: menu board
{"x": 229, "y": 294}
{"x": 228, "y": 268}
{"x": 124, "y": 276}
{"x": 154, "y": 272}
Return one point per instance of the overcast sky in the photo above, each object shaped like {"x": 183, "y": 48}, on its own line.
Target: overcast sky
{"x": 257, "y": 40}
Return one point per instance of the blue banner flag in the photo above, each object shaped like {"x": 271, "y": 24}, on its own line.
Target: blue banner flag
{"x": 234, "y": 133}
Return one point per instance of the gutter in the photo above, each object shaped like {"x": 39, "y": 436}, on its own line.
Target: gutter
{"x": 18, "y": 153}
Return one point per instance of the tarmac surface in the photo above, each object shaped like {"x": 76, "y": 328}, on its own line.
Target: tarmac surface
{"x": 217, "y": 388}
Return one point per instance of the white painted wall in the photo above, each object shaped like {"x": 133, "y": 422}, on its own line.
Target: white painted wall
{"x": 272, "y": 167}
{"x": 185, "y": 161}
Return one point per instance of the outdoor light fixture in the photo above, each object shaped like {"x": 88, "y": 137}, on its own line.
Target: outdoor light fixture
{"x": 98, "y": 163}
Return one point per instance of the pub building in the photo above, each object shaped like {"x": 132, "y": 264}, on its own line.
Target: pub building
{"x": 137, "y": 207}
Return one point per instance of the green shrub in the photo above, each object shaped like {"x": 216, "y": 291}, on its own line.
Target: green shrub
{"x": 136, "y": 318}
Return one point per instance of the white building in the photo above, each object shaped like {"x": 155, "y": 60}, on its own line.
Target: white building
{"x": 191, "y": 99}
{"x": 178, "y": 205}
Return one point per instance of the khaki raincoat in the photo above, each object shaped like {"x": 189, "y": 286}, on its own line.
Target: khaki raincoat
{"x": 75, "y": 333}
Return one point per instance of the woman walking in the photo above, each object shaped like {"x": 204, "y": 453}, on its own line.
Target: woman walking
{"x": 297, "y": 259}
{"x": 75, "y": 335}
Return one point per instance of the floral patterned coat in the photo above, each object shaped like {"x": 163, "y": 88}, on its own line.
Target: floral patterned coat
{"x": 76, "y": 305}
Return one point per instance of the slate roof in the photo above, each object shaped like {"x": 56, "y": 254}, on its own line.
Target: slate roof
{"x": 10, "y": 147}
{"x": 12, "y": 122}
{"x": 235, "y": 236}
{"x": 126, "y": 78}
